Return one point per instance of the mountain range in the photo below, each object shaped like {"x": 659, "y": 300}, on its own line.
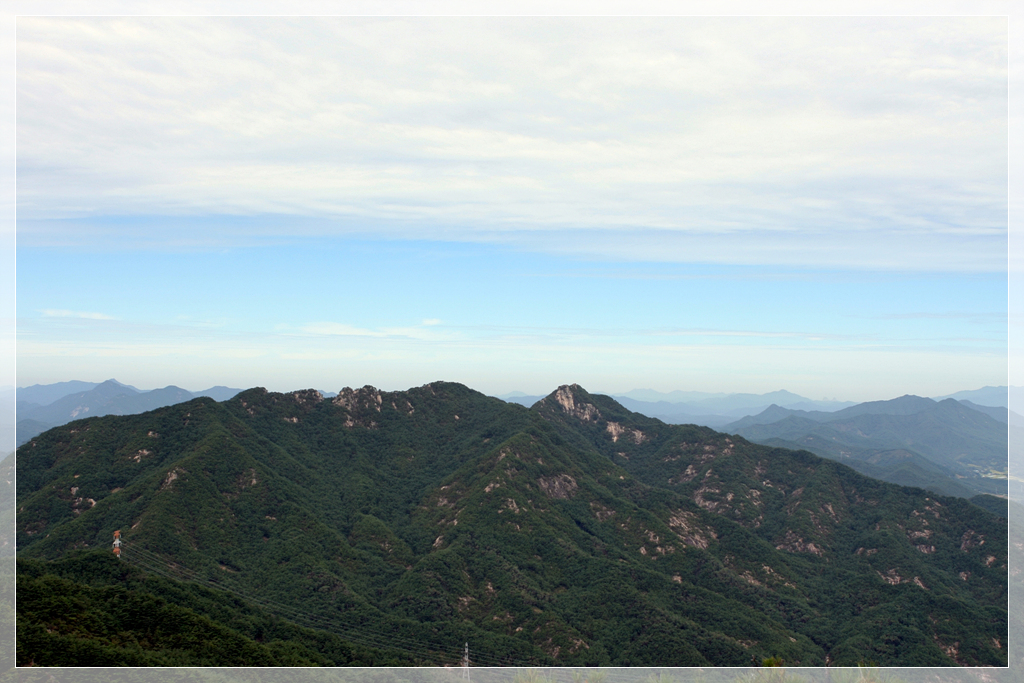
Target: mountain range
{"x": 392, "y": 527}
{"x": 889, "y": 456}
{"x": 702, "y": 408}
{"x": 945, "y": 445}
{"x": 40, "y": 407}
{"x": 948, "y": 446}
{"x": 716, "y": 410}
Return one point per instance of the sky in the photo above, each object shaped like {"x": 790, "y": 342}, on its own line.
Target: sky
{"x": 726, "y": 204}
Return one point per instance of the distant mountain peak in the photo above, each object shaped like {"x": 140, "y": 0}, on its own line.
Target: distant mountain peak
{"x": 990, "y": 396}
{"x": 574, "y": 400}
{"x": 119, "y": 384}
{"x": 110, "y": 388}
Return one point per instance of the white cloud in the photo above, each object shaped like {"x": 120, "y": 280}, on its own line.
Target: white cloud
{"x": 339, "y": 329}
{"x": 393, "y": 333}
{"x": 535, "y": 360}
{"x": 63, "y": 313}
{"x": 817, "y": 128}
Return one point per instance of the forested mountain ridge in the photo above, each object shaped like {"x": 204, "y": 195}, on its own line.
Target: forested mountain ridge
{"x": 575, "y": 532}
{"x": 948, "y": 446}
{"x": 41, "y": 407}
{"x": 91, "y": 610}
{"x": 949, "y": 433}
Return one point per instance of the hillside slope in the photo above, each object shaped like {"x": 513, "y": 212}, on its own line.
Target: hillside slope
{"x": 575, "y": 532}
{"x": 948, "y": 446}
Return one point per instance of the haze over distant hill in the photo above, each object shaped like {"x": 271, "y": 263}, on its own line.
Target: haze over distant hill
{"x": 701, "y": 408}
{"x": 677, "y": 407}
{"x": 948, "y": 446}
{"x": 899, "y": 453}
{"x": 986, "y": 396}
{"x": 8, "y": 409}
{"x": 42, "y": 406}
{"x": 45, "y": 394}
{"x": 716, "y": 410}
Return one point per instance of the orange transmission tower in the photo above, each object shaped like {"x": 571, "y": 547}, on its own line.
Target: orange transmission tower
{"x": 117, "y": 544}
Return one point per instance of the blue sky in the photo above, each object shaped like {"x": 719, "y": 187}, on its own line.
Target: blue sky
{"x": 719, "y": 204}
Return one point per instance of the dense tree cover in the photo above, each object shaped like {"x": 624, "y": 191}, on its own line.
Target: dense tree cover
{"x": 574, "y": 533}
{"x": 94, "y": 610}
{"x": 994, "y": 504}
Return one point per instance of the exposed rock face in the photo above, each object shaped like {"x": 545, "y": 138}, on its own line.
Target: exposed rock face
{"x": 700, "y": 496}
{"x": 616, "y": 430}
{"x": 171, "y": 477}
{"x": 559, "y": 486}
{"x": 689, "y": 530}
{"x": 587, "y": 412}
{"x": 970, "y": 539}
{"x": 358, "y": 402}
{"x": 601, "y": 512}
{"x": 689, "y": 474}
{"x": 794, "y": 544}
{"x": 891, "y": 577}
{"x": 354, "y": 399}
{"x": 306, "y": 397}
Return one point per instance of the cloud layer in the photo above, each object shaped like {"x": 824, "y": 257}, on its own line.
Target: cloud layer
{"x": 861, "y": 142}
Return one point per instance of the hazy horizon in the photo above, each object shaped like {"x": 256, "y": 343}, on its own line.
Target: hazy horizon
{"x": 511, "y": 392}
{"x": 515, "y": 203}
{"x": 723, "y": 204}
